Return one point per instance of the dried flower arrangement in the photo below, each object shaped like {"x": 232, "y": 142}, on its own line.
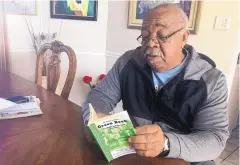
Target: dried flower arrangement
{"x": 41, "y": 38}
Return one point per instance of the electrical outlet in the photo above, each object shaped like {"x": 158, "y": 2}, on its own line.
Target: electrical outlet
{"x": 222, "y": 23}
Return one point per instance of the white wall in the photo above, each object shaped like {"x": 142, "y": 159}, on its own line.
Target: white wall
{"x": 119, "y": 37}
{"x": 87, "y": 38}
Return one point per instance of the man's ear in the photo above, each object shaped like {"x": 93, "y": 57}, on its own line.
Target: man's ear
{"x": 185, "y": 38}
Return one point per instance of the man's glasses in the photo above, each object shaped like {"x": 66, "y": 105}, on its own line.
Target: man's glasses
{"x": 157, "y": 39}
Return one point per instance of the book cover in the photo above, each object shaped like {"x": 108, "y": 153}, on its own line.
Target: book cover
{"x": 111, "y": 133}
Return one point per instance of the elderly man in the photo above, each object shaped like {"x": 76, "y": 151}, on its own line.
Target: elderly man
{"x": 175, "y": 97}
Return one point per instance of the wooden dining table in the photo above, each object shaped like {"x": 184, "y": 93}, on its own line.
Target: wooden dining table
{"x": 56, "y": 137}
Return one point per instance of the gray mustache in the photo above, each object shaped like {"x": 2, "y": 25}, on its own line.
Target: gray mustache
{"x": 157, "y": 54}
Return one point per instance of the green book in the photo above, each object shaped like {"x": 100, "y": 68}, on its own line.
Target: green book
{"x": 111, "y": 133}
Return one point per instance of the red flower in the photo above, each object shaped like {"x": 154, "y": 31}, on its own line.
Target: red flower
{"x": 102, "y": 76}
{"x": 87, "y": 79}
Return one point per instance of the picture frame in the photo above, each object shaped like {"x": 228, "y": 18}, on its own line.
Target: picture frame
{"x": 62, "y": 9}
{"x": 138, "y": 9}
{"x": 17, "y": 7}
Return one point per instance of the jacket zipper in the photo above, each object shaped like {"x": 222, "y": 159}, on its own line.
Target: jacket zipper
{"x": 153, "y": 109}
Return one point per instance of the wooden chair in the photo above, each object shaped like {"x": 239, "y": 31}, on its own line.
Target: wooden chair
{"x": 53, "y": 67}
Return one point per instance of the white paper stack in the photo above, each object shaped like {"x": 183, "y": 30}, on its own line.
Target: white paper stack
{"x": 20, "y": 106}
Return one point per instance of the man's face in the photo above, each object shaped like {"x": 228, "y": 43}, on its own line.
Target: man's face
{"x": 161, "y": 52}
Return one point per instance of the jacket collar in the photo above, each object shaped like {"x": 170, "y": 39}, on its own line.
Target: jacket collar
{"x": 195, "y": 65}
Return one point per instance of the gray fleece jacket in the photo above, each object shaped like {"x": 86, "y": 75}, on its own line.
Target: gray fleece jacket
{"x": 194, "y": 115}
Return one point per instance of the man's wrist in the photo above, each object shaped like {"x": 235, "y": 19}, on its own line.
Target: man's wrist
{"x": 166, "y": 148}
{"x": 166, "y": 143}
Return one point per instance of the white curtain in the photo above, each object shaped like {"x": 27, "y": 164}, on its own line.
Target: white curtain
{"x": 3, "y": 40}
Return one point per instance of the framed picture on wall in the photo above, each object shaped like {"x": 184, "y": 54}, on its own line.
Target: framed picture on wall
{"x": 28, "y": 7}
{"x": 139, "y": 8}
{"x": 74, "y": 9}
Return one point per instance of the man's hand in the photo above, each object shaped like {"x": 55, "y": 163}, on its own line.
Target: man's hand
{"x": 88, "y": 133}
{"x": 149, "y": 140}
